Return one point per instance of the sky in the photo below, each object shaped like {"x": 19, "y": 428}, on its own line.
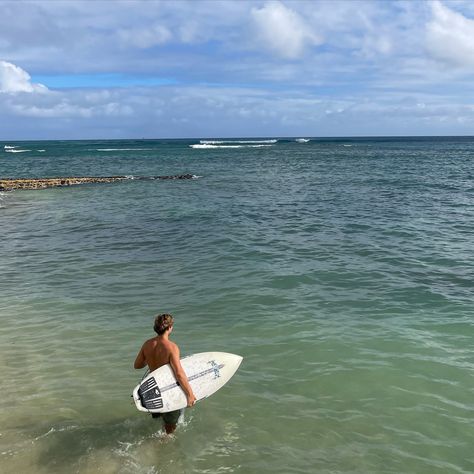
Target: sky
{"x": 177, "y": 69}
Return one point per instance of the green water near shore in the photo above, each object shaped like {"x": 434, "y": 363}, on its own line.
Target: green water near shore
{"x": 342, "y": 274}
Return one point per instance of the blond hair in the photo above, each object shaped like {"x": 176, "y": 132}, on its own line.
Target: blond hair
{"x": 163, "y": 322}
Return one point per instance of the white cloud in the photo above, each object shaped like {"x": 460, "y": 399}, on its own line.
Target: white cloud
{"x": 17, "y": 94}
{"x": 185, "y": 111}
{"x": 67, "y": 107}
{"x": 75, "y": 105}
{"x": 450, "y": 36}
{"x": 15, "y": 79}
{"x": 145, "y": 37}
{"x": 61, "y": 110}
{"x": 373, "y": 50}
{"x": 282, "y": 30}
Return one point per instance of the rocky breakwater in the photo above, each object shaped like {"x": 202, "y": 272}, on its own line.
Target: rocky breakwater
{"x": 9, "y": 184}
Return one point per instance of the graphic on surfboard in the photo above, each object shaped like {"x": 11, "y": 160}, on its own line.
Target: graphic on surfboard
{"x": 207, "y": 372}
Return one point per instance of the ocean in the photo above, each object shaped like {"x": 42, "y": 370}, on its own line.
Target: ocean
{"x": 340, "y": 269}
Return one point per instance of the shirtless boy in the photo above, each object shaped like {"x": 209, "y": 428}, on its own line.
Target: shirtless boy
{"x": 160, "y": 351}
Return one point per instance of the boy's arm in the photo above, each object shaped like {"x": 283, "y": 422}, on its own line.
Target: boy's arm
{"x": 140, "y": 361}
{"x": 181, "y": 375}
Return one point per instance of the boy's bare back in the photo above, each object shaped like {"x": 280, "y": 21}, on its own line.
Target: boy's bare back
{"x": 158, "y": 352}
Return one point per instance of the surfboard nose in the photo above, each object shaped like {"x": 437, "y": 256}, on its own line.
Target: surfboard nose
{"x": 231, "y": 359}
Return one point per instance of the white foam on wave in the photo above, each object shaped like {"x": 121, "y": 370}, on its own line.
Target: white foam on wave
{"x": 11, "y": 150}
{"x": 53, "y": 430}
{"x": 10, "y": 147}
{"x": 122, "y": 149}
{"x": 302, "y": 140}
{"x": 41, "y": 151}
{"x": 209, "y": 145}
{"x": 218, "y": 142}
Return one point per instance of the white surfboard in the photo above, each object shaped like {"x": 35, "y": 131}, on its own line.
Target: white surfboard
{"x": 207, "y": 372}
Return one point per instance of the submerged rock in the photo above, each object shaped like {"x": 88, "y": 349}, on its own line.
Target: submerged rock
{"x": 9, "y": 184}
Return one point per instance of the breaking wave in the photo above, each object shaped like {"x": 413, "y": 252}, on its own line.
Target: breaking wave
{"x": 210, "y": 145}
{"x": 122, "y": 149}
{"x": 219, "y": 142}
{"x": 17, "y": 149}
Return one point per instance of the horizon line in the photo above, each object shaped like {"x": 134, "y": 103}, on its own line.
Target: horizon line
{"x": 282, "y": 137}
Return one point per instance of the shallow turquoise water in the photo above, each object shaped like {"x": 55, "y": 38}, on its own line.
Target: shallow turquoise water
{"x": 341, "y": 270}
